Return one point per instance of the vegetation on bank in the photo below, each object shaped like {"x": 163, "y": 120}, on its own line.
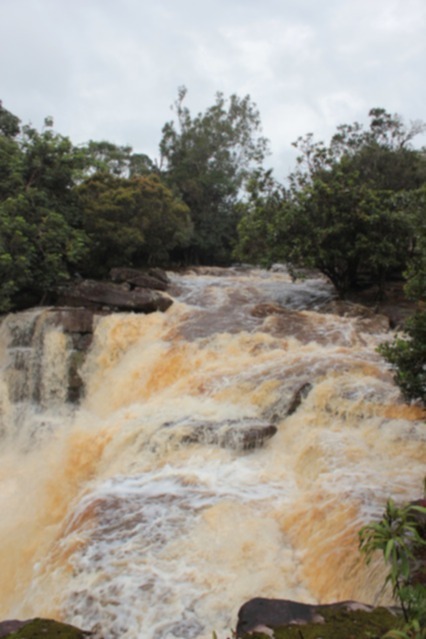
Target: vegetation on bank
{"x": 400, "y": 535}
{"x": 354, "y": 208}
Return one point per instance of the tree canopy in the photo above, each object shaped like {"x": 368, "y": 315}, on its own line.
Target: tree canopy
{"x": 349, "y": 207}
{"x": 65, "y": 209}
{"x": 353, "y": 208}
{"x": 39, "y": 239}
{"x": 208, "y": 159}
{"x": 130, "y": 222}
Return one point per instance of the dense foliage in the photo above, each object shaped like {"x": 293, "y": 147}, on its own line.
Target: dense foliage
{"x": 67, "y": 209}
{"x": 208, "y": 159}
{"x": 397, "y": 535}
{"x": 407, "y": 353}
{"x": 130, "y": 221}
{"x": 355, "y": 209}
{"x": 39, "y": 240}
{"x": 349, "y": 207}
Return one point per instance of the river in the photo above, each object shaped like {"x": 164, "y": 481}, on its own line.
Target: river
{"x": 142, "y": 513}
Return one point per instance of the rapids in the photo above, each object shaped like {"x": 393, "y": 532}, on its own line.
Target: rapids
{"x": 115, "y": 517}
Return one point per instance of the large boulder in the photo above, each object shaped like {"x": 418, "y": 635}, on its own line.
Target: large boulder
{"x": 113, "y": 297}
{"x": 282, "y": 618}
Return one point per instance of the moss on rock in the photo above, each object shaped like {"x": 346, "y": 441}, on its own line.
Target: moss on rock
{"x": 340, "y": 624}
{"x": 48, "y": 629}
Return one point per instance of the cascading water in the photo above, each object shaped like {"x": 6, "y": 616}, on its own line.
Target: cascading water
{"x": 147, "y": 511}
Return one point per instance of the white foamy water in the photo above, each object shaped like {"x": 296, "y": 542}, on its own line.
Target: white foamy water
{"x": 142, "y": 514}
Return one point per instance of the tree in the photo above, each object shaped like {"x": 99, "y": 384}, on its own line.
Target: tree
{"x": 10, "y": 153}
{"x": 260, "y": 219}
{"x": 37, "y": 249}
{"x": 120, "y": 161}
{"x": 130, "y": 221}
{"x": 208, "y": 159}
{"x": 9, "y": 123}
{"x": 40, "y": 241}
{"x": 407, "y": 352}
{"x": 348, "y": 210}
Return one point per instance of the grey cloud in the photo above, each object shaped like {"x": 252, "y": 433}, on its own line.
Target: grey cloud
{"x": 110, "y": 70}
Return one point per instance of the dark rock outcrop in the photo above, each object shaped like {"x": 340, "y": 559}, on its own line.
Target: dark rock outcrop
{"x": 287, "y": 403}
{"x": 41, "y": 629}
{"x": 12, "y": 625}
{"x": 73, "y": 320}
{"x": 299, "y": 395}
{"x": 368, "y": 319}
{"x": 113, "y": 297}
{"x": 155, "y": 278}
{"x": 77, "y": 323}
{"x": 273, "y": 616}
{"x": 235, "y": 435}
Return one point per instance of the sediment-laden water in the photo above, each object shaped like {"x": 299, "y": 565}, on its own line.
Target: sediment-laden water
{"x": 145, "y": 512}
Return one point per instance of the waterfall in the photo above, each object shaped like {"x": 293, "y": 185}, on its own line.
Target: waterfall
{"x": 228, "y": 448}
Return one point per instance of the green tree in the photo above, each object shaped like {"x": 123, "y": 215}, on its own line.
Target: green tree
{"x": 407, "y": 352}
{"x": 261, "y": 215}
{"x": 208, "y": 159}
{"x": 130, "y": 221}
{"x": 348, "y": 210}
{"x": 10, "y": 153}
{"x": 40, "y": 240}
{"x": 120, "y": 161}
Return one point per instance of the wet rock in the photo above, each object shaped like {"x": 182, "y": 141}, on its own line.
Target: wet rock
{"x": 298, "y": 397}
{"x": 73, "y": 320}
{"x": 368, "y": 319}
{"x": 281, "y": 617}
{"x": 77, "y": 323}
{"x": 155, "y": 279}
{"x": 12, "y": 625}
{"x": 159, "y": 274}
{"x": 41, "y": 629}
{"x": 114, "y": 297}
{"x": 278, "y": 268}
{"x": 288, "y": 402}
{"x": 235, "y": 435}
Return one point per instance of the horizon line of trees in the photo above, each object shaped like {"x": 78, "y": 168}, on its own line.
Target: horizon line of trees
{"x": 355, "y": 208}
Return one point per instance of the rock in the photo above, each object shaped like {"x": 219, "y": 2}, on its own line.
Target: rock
{"x": 298, "y": 397}
{"x": 159, "y": 274}
{"x": 137, "y": 279}
{"x": 353, "y": 619}
{"x": 113, "y": 297}
{"x": 73, "y": 320}
{"x": 41, "y": 629}
{"x": 368, "y": 319}
{"x": 78, "y": 324}
{"x": 12, "y": 625}
{"x": 235, "y": 435}
{"x": 278, "y": 268}
{"x": 287, "y": 403}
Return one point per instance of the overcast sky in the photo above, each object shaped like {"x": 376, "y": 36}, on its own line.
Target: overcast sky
{"x": 110, "y": 69}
